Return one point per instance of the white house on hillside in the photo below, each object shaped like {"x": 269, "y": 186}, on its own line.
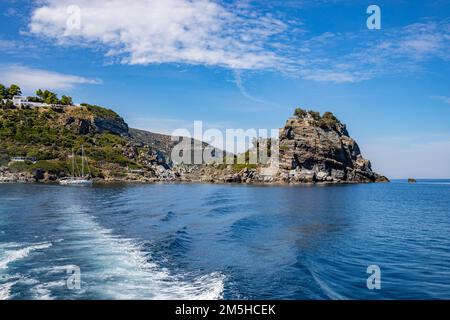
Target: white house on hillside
{"x": 20, "y": 101}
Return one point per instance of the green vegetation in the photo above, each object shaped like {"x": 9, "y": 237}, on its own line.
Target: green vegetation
{"x": 49, "y": 134}
{"x": 101, "y": 112}
{"x": 66, "y": 100}
{"x": 315, "y": 115}
{"x": 327, "y": 120}
{"x": 42, "y": 133}
{"x": 239, "y": 167}
{"x": 50, "y": 98}
{"x": 51, "y": 166}
{"x": 7, "y": 105}
{"x": 242, "y": 161}
{"x": 300, "y": 113}
{"x": 41, "y": 96}
{"x": 2, "y": 92}
{"x": 47, "y": 96}
{"x": 9, "y": 92}
{"x": 13, "y": 90}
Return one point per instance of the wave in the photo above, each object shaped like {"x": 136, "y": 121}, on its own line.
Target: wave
{"x": 5, "y": 290}
{"x": 120, "y": 268}
{"x": 13, "y": 255}
{"x": 12, "y": 252}
{"x": 327, "y": 290}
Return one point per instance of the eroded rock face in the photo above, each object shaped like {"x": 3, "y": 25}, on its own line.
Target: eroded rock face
{"x": 319, "y": 149}
{"x": 80, "y": 126}
{"x": 85, "y": 122}
{"x": 115, "y": 126}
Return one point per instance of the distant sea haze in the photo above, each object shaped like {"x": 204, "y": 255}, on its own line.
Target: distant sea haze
{"x": 206, "y": 241}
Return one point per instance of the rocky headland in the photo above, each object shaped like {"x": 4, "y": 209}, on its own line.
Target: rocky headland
{"x": 315, "y": 148}
{"x": 312, "y": 149}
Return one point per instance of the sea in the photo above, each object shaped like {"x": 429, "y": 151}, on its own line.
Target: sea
{"x": 212, "y": 241}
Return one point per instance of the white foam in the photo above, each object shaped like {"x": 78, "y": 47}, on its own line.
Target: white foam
{"x": 125, "y": 271}
{"x": 5, "y": 290}
{"x": 17, "y": 254}
{"x": 42, "y": 291}
{"x": 331, "y": 293}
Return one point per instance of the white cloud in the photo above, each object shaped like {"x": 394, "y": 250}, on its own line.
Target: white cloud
{"x": 335, "y": 76}
{"x": 31, "y": 79}
{"x": 239, "y": 36}
{"x": 240, "y": 85}
{"x": 165, "y": 31}
{"x": 363, "y": 55}
{"x": 444, "y": 99}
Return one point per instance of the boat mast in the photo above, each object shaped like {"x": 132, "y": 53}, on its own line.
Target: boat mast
{"x": 73, "y": 164}
{"x": 82, "y": 161}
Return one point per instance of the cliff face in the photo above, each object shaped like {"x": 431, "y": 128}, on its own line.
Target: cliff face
{"x": 319, "y": 148}
{"x": 93, "y": 119}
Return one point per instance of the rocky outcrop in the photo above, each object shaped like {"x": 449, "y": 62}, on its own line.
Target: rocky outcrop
{"x": 112, "y": 125}
{"x": 6, "y": 175}
{"x": 315, "y": 148}
{"x": 161, "y": 143}
{"x": 89, "y": 122}
{"x": 79, "y": 126}
{"x": 312, "y": 148}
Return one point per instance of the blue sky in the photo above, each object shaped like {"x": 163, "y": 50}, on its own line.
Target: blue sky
{"x": 162, "y": 64}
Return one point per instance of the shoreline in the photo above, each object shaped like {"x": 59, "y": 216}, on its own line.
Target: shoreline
{"x": 97, "y": 182}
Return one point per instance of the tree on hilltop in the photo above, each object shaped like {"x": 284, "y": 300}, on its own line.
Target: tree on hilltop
{"x": 66, "y": 100}
{"x": 13, "y": 90}
{"x": 299, "y": 113}
{"x": 3, "y": 92}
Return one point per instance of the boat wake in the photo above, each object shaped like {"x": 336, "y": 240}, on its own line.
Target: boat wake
{"x": 10, "y": 253}
{"x": 113, "y": 267}
{"x": 5, "y": 290}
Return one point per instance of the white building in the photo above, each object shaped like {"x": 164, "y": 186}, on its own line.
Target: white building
{"x": 20, "y": 101}
{"x": 22, "y": 159}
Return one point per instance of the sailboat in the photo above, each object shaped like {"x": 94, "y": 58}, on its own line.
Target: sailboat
{"x": 75, "y": 180}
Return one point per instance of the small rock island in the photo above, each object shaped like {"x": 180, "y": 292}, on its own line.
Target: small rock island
{"x": 319, "y": 148}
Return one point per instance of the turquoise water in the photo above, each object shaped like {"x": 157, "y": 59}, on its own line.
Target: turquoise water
{"x": 199, "y": 241}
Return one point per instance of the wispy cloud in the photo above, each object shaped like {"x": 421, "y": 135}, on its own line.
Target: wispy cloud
{"x": 444, "y": 99}
{"x": 165, "y": 31}
{"x": 239, "y": 36}
{"x": 31, "y": 79}
{"x": 243, "y": 90}
{"x": 363, "y": 55}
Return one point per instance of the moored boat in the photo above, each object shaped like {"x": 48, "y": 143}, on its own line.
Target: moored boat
{"x": 75, "y": 180}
